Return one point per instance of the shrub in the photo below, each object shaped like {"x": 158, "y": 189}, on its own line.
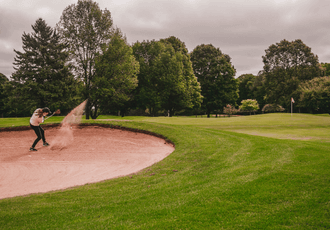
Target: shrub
{"x": 249, "y": 105}
{"x": 272, "y": 108}
{"x": 230, "y": 110}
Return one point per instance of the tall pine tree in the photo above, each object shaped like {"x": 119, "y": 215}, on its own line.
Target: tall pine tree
{"x": 42, "y": 77}
{"x": 3, "y": 95}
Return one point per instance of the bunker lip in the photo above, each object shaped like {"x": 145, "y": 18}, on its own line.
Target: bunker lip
{"x": 98, "y": 152}
{"x": 81, "y": 125}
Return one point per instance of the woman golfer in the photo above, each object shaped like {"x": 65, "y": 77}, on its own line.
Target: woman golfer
{"x": 38, "y": 117}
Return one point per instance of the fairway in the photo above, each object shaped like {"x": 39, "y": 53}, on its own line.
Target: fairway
{"x": 256, "y": 172}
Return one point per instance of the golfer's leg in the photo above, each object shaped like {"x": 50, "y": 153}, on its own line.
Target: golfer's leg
{"x": 36, "y": 130}
{"x": 42, "y": 134}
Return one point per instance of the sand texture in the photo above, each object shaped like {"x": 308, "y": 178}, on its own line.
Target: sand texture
{"x": 76, "y": 156}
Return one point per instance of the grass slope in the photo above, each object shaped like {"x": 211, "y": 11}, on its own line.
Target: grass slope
{"x": 216, "y": 178}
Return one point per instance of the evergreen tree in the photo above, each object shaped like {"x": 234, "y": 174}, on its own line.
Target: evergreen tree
{"x": 3, "y": 95}
{"x": 42, "y": 77}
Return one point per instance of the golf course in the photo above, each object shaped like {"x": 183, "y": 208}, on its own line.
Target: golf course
{"x": 268, "y": 171}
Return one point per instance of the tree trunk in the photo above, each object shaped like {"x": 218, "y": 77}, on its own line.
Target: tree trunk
{"x": 170, "y": 112}
{"x": 88, "y": 109}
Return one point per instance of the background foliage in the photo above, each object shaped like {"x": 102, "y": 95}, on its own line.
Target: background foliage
{"x": 77, "y": 60}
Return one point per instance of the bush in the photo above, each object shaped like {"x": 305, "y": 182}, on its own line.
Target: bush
{"x": 272, "y": 108}
{"x": 230, "y": 110}
{"x": 249, "y": 105}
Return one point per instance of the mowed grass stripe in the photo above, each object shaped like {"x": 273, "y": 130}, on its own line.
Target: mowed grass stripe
{"x": 214, "y": 179}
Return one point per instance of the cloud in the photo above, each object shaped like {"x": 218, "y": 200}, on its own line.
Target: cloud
{"x": 240, "y": 28}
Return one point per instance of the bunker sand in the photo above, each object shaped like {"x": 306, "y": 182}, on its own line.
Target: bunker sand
{"x": 95, "y": 154}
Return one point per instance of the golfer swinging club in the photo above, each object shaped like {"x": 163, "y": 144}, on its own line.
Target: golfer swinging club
{"x": 38, "y": 117}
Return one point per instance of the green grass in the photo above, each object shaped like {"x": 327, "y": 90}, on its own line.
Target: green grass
{"x": 25, "y": 121}
{"x": 217, "y": 178}
{"x": 282, "y": 125}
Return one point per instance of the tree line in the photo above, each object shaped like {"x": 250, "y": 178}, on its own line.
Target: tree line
{"x": 291, "y": 72}
{"x": 86, "y": 57}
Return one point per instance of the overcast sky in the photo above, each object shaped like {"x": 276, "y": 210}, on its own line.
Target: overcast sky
{"x": 243, "y": 29}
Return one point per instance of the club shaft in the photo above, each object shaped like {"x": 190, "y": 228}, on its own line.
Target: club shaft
{"x": 49, "y": 116}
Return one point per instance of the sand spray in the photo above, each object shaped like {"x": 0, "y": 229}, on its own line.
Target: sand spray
{"x": 64, "y": 137}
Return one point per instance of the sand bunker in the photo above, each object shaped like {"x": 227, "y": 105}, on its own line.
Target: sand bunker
{"x": 94, "y": 154}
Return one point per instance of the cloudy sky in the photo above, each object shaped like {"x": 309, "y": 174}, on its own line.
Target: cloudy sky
{"x": 243, "y": 29}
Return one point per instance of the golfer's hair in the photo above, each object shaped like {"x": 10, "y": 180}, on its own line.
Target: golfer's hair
{"x": 39, "y": 112}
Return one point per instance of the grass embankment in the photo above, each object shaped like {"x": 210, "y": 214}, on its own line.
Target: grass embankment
{"x": 25, "y": 121}
{"x": 216, "y": 178}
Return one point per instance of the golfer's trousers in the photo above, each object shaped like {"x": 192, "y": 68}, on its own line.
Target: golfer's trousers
{"x": 40, "y": 133}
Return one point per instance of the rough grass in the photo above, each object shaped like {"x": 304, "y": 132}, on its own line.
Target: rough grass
{"x": 215, "y": 179}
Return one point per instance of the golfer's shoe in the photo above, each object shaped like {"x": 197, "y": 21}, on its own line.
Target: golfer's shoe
{"x": 33, "y": 149}
{"x": 46, "y": 144}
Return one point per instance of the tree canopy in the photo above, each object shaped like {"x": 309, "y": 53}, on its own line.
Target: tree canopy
{"x": 42, "y": 77}
{"x": 85, "y": 57}
{"x": 215, "y": 73}
{"x": 325, "y": 69}
{"x": 116, "y": 76}
{"x": 315, "y": 95}
{"x": 3, "y": 95}
{"x": 166, "y": 79}
{"x": 286, "y": 65}
{"x": 246, "y": 87}
{"x": 147, "y": 94}
{"x": 85, "y": 27}
{"x": 191, "y": 98}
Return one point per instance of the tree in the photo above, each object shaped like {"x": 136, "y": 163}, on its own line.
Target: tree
{"x": 259, "y": 89}
{"x": 85, "y": 27}
{"x": 215, "y": 73}
{"x": 315, "y": 95}
{"x": 177, "y": 45}
{"x": 116, "y": 76}
{"x": 246, "y": 87}
{"x": 171, "y": 82}
{"x": 3, "y": 95}
{"x": 325, "y": 69}
{"x": 249, "y": 106}
{"x": 286, "y": 65}
{"x": 192, "y": 97}
{"x": 166, "y": 80}
{"x": 3, "y": 79}
{"x": 42, "y": 77}
{"x": 147, "y": 95}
